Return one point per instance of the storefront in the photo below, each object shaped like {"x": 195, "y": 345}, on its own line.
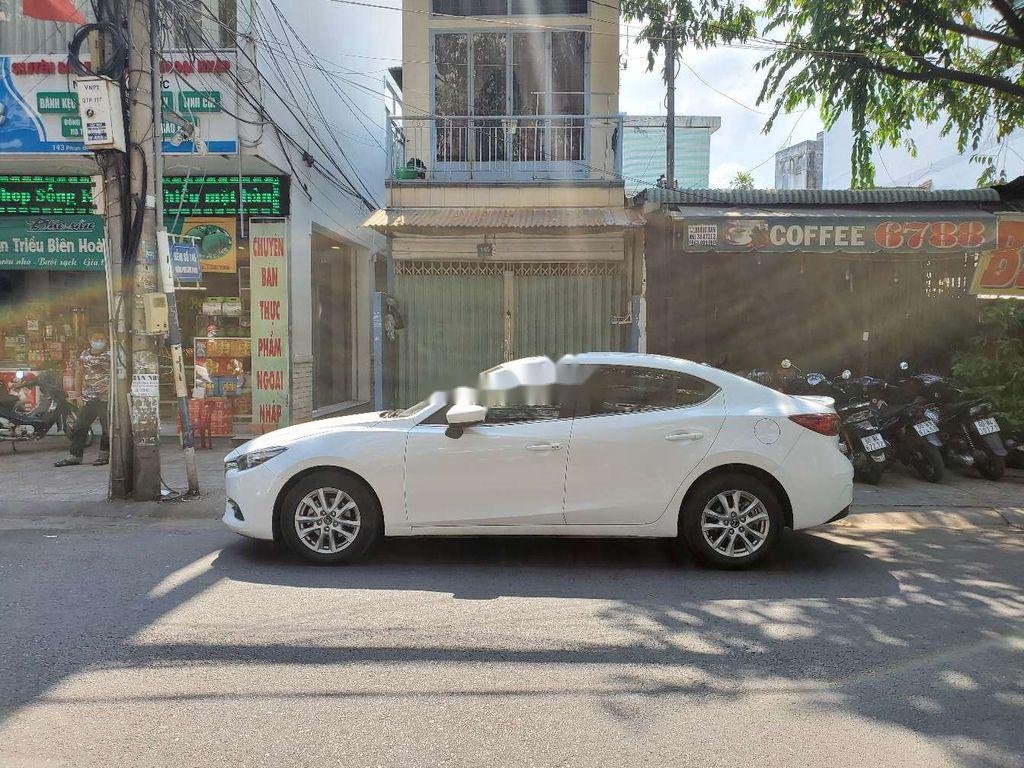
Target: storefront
{"x": 829, "y": 278}
{"x": 52, "y": 286}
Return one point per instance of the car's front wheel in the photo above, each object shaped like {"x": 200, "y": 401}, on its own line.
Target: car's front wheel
{"x": 731, "y": 521}
{"x": 330, "y": 517}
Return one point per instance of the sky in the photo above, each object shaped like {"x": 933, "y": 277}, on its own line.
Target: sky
{"x": 740, "y": 144}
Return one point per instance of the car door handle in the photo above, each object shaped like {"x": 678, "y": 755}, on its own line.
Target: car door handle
{"x": 541, "y": 447}
{"x": 683, "y": 436}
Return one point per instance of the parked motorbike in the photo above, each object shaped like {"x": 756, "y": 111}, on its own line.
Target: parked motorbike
{"x": 969, "y": 432}
{"x": 910, "y": 423}
{"x": 860, "y": 435}
{"x": 53, "y": 410}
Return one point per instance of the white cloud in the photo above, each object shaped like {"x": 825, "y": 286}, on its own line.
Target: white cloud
{"x": 723, "y": 173}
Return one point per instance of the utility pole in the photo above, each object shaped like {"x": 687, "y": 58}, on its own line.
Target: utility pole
{"x": 111, "y": 202}
{"x": 145, "y": 145}
{"x": 670, "y": 105}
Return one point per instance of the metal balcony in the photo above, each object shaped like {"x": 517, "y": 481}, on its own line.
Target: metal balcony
{"x": 521, "y": 148}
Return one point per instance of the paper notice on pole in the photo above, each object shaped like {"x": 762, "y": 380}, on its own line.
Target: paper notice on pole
{"x": 146, "y": 385}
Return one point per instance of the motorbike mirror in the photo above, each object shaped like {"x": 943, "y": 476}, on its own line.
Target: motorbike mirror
{"x": 19, "y": 375}
{"x": 847, "y": 374}
{"x": 786, "y": 363}
{"x": 904, "y": 365}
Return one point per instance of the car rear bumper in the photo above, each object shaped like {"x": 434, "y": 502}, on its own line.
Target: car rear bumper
{"x": 819, "y": 481}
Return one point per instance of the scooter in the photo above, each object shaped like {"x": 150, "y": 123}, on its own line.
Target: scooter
{"x": 911, "y": 425}
{"x": 969, "y": 432}
{"x": 54, "y": 409}
{"x": 860, "y": 435}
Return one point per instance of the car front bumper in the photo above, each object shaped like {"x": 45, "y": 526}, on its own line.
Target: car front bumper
{"x": 251, "y": 493}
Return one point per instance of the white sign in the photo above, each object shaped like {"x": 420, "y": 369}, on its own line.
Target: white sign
{"x": 39, "y": 106}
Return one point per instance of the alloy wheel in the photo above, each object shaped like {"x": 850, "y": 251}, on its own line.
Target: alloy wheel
{"x": 327, "y": 520}
{"x": 735, "y": 523}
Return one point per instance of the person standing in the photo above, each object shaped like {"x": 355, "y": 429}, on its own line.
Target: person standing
{"x": 92, "y": 387}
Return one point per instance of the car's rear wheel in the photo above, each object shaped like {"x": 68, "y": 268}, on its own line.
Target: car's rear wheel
{"x": 330, "y": 517}
{"x": 731, "y": 521}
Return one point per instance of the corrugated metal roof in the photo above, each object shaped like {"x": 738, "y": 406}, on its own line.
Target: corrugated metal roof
{"x": 815, "y": 196}
{"x": 497, "y": 219}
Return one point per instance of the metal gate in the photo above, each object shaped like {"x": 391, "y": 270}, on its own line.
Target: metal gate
{"x": 463, "y": 317}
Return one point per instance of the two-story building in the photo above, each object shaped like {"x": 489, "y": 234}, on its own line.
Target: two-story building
{"x": 507, "y": 233}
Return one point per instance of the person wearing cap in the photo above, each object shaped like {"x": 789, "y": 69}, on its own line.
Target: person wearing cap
{"x": 92, "y": 388}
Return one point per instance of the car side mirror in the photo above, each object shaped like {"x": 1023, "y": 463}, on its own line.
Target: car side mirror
{"x": 461, "y": 417}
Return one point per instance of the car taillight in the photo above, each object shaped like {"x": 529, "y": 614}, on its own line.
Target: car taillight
{"x": 822, "y": 423}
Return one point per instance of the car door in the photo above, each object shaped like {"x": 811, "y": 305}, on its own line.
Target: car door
{"x": 510, "y": 470}
{"x": 638, "y": 433}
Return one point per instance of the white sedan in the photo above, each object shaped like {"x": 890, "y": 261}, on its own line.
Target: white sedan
{"x": 636, "y": 445}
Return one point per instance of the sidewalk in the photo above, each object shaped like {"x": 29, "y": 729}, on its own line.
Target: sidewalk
{"x": 35, "y": 494}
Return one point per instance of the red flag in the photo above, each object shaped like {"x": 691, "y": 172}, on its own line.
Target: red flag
{"x": 52, "y": 10}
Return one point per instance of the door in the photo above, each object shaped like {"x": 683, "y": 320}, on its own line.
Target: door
{"x": 508, "y": 471}
{"x": 637, "y": 435}
{"x": 464, "y": 317}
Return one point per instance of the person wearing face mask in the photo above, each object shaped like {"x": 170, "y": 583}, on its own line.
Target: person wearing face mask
{"x": 92, "y": 385}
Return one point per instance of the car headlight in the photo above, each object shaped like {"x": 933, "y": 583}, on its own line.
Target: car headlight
{"x": 253, "y": 458}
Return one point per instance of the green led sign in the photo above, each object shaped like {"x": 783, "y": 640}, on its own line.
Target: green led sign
{"x": 195, "y": 196}
{"x": 56, "y": 195}
{"x": 219, "y": 196}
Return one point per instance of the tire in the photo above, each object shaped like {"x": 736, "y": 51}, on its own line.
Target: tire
{"x": 870, "y": 473}
{"x": 993, "y": 467}
{"x": 709, "y": 508}
{"x": 928, "y": 463}
{"x": 364, "y": 523}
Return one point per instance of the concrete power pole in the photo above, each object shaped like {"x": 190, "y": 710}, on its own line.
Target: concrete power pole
{"x": 145, "y": 139}
{"x": 670, "y": 106}
{"x": 118, "y": 296}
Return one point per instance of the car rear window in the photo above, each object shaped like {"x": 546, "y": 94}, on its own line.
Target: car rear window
{"x": 619, "y": 389}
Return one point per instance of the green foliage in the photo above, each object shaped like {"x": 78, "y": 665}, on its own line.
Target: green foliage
{"x": 742, "y": 180}
{"x": 992, "y": 365}
{"x": 892, "y": 64}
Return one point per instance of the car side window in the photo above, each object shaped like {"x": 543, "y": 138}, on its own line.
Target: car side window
{"x": 621, "y": 389}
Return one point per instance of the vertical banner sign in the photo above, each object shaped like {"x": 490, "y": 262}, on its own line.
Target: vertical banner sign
{"x": 268, "y": 253}
{"x": 1000, "y": 272}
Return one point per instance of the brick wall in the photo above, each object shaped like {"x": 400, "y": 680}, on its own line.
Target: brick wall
{"x": 302, "y": 390}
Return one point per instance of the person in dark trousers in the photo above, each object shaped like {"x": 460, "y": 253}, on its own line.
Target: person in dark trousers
{"x": 92, "y": 386}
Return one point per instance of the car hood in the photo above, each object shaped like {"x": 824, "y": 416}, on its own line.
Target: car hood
{"x": 289, "y": 435}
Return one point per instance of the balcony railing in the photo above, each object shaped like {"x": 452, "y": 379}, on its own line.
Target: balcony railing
{"x": 505, "y": 148}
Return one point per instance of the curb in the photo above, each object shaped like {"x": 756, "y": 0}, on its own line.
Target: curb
{"x": 889, "y": 519}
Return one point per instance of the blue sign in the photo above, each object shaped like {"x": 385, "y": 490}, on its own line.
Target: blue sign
{"x": 185, "y": 263}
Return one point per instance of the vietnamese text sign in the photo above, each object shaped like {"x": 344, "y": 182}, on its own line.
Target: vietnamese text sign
{"x": 217, "y": 240}
{"x": 185, "y": 262}
{"x": 1000, "y": 272}
{"x": 268, "y": 264}
{"x": 52, "y": 242}
{"x": 924, "y": 233}
{"x": 40, "y": 108}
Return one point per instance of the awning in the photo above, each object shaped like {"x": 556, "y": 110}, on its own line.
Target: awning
{"x": 430, "y": 220}
{"x": 848, "y": 229}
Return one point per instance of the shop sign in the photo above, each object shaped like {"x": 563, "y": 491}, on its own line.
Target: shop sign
{"x": 45, "y": 194}
{"x": 921, "y": 234}
{"x": 224, "y": 196}
{"x": 185, "y": 263}
{"x": 39, "y": 106}
{"x": 268, "y": 262}
{"x": 1000, "y": 272}
{"x": 217, "y": 240}
{"x": 72, "y": 243}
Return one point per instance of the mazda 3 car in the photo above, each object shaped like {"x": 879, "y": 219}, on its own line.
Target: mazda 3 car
{"x": 599, "y": 444}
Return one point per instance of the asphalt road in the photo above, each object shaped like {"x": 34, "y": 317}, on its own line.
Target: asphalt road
{"x": 167, "y": 641}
